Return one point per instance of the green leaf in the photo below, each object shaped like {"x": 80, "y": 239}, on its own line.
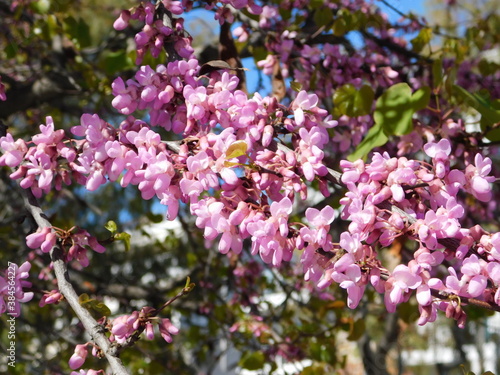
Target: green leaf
{"x": 408, "y": 312}
{"x": 83, "y": 298}
{"x": 97, "y": 308}
{"x": 236, "y": 149}
{"x": 252, "y": 361}
{"x": 357, "y": 330}
{"x": 420, "y": 98}
{"x": 339, "y": 27}
{"x": 259, "y": 53}
{"x": 487, "y": 68}
{"x": 10, "y": 50}
{"x": 313, "y": 370}
{"x": 323, "y": 16}
{"x": 392, "y": 111}
{"x": 374, "y": 138}
{"x": 78, "y": 30}
{"x": 351, "y": 102}
{"x": 296, "y": 86}
{"x": 437, "y": 72}
{"x": 111, "y": 226}
{"x": 450, "y": 79}
{"x": 113, "y": 62}
{"x": 155, "y": 218}
{"x": 41, "y": 6}
{"x": 422, "y": 39}
{"x": 125, "y": 237}
{"x": 479, "y": 103}
{"x": 395, "y": 108}
{"x": 489, "y": 110}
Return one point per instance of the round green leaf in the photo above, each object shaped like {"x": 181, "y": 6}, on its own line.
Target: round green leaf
{"x": 351, "y": 102}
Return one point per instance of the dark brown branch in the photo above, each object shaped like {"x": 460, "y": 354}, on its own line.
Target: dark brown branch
{"x": 229, "y": 54}
{"x": 22, "y": 96}
{"x": 375, "y": 360}
{"x": 394, "y": 47}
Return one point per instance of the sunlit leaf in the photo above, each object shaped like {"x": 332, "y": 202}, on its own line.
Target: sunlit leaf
{"x": 97, "y": 308}
{"x": 236, "y": 149}
{"x": 422, "y": 39}
{"x": 374, "y": 138}
{"x": 111, "y": 226}
{"x": 437, "y": 72}
{"x": 125, "y": 237}
{"x": 296, "y": 86}
{"x": 395, "y": 108}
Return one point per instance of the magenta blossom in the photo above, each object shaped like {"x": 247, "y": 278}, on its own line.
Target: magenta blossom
{"x": 398, "y": 285}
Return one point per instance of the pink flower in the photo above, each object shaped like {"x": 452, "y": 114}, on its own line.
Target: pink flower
{"x": 279, "y": 213}
{"x": 47, "y": 134}
{"x": 13, "y": 151}
{"x": 54, "y": 296}
{"x": 439, "y": 153}
{"x": 321, "y": 220}
{"x": 78, "y": 357}
{"x": 173, "y": 6}
{"x": 88, "y": 372}
{"x": 349, "y": 278}
{"x": 199, "y": 165}
{"x": 399, "y": 283}
{"x": 167, "y": 329}
{"x": 35, "y": 240}
{"x": 124, "y": 326}
{"x": 122, "y": 21}
{"x": 472, "y": 270}
{"x": 303, "y": 102}
{"x": 398, "y": 177}
{"x": 478, "y": 181}
{"x": 196, "y": 100}
{"x": 230, "y": 239}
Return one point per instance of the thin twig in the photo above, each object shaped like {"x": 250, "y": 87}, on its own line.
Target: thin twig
{"x": 469, "y": 301}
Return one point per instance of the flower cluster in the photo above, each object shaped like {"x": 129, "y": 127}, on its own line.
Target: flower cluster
{"x": 76, "y": 241}
{"x": 123, "y": 328}
{"x": 156, "y": 33}
{"x": 429, "y": 200}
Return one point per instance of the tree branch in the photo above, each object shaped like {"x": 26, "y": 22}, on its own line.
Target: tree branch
{"x": 394, "y": 47}
{"x": 22, "y": 96}
{"x": 65, "y": 287}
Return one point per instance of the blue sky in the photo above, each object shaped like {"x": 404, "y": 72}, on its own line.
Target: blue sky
{"x": 405, "y": 6}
